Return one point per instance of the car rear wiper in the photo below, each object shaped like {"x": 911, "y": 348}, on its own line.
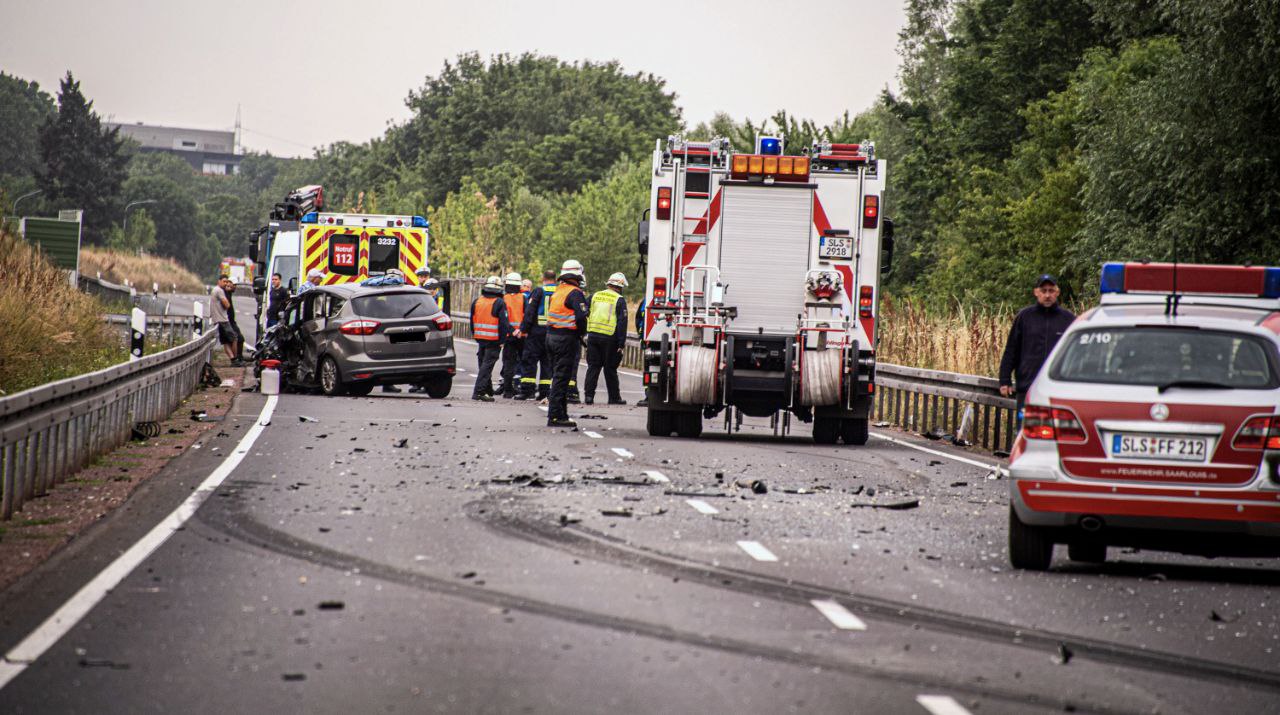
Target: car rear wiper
{"x": 415, "y": 307}
{"x": 1194, "y": 384}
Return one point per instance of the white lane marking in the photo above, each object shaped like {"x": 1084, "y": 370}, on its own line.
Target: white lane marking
{"x": 66, "y": 617}
{"x": 623, "y": 452}
{"x": 656, "y": 476}
{"x": 593, "y": 435}
{"x": 701, "y": 506}
{"x": 964, "y": 460}
{"x": 757, "y": 551}
{"x": 839, "y": 616}
{"x": 941, "y": 705}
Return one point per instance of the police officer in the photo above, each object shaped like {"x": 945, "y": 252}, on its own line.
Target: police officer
{"x": 566, "y": 324}
{"x": 535, "y": 364}
{"x": 606, "y": 338}
{"x": 490, "y": 326}
{"x": 512, "y": 348}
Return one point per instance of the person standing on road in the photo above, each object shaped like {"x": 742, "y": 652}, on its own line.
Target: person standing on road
{"x": 514, "y": 345}
{"x": 490, "y": 326}
{"x": 230, "y": 291}
{"x": 219, "y": 304}
{"x": 644, "y": 401}
{"x": 1036, "y": 330}
{"x": 276, "y": 298}
{"x": 566, "y": 324}
{"x": 606, "y": 339}
{"x": 535, "y": 364}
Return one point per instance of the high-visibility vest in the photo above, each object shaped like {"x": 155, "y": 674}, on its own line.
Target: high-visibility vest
{"x": 483, "y": 323}
{"x": 515, "y": 308}
{"x": 547, "y": 290}
{"x": 603, "y": 318}
{"x": 560, "y": 315}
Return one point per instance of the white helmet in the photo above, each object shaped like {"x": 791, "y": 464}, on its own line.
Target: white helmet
{"x": 618, "y": 279}
{"x": 571, "y": 268}
{"x": 423, "y": 271}
{"x": 513, "y": 279}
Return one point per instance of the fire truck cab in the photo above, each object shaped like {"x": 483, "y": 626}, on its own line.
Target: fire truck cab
{"x": 762, "y": 286}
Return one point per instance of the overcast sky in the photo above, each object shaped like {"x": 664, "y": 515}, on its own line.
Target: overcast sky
{"x": 309, "y": 73}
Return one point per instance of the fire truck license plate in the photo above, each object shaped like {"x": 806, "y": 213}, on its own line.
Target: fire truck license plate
{"x": 835, "y": 247}
{"x": 1145, "y": 446}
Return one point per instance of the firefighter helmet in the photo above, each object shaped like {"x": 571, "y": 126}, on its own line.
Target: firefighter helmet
{"x": 513, "y": 279}
{"x": 618, "y": 279}
{"x": 492, "y": 285}
{"x": 571, "y": 268}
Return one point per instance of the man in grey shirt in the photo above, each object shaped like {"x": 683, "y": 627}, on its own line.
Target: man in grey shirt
{"x": 228, "y": 333}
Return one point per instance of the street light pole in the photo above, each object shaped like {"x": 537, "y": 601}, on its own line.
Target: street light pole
{"x": 131, "y": 204}
{"x": 18, "y": 200}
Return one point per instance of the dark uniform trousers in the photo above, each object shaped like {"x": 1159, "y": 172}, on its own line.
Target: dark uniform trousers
{"x": 565, "y": 350}
{"x": 487, "y": 357}
{"x": 603, "y": 354}
{"x": 511, "y": 361}
{"x": 535, "y": 364}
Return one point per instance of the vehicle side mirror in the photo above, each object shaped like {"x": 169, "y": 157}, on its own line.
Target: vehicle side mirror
{"x": 293, "y": 284}
{"x": 259, "y": 285}
{"x": 886, "y": 245}
{"x": 642, "y": 235}
{"x": 253, "y": 250}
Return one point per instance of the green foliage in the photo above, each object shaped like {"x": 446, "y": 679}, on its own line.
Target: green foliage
{"x": 138, "y": 237}
{"x": 84, "y": 164}
{"x": 24, "y": 108}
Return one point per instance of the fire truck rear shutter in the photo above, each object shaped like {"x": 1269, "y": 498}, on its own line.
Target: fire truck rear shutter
{"x": 764, "y": 254}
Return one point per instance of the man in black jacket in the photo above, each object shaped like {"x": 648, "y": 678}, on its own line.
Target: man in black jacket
{"x": 606, "y": 339}
{"x": 1035, "y": 331}
{"x": 276, "y": 298}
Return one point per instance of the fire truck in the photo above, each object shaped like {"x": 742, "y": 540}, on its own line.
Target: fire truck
{"x": 763, "y": 286}
{"x": 239, "y": 270}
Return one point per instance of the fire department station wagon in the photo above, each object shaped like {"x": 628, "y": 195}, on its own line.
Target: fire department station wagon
{"x": 1156, "y": 420}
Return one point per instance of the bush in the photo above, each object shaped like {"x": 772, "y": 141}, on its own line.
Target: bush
{"x": 50, "y": 330}
{"x": 140, "y": 271}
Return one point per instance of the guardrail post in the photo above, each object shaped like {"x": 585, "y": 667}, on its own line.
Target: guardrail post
{"x": 138, "y": 336}
{"x": 197, "y": 313}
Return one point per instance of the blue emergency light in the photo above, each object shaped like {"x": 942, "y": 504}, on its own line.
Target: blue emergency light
{"x": 1113, "y": 278}
{"x": 419, "y": 222}
{"x": 770, "y": 146}
{"x": 312, "y": 217}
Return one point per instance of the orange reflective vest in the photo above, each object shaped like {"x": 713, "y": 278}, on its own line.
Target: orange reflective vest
{"x": 560, "y": 315}
{"x": 515, "y": 308}
{"x": 483, "y": 323}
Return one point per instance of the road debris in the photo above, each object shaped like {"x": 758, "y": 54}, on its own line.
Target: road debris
{"x": 1064, "y": 654}
{"x": 591, "y": 417}
{"x": 681, "y": 493}
{"x": 468, "y": 574}
{"x": 1219, "y": 618}
{"x": 331, "y": 605}
{"x": 401, "y": 443}
{"x": 102, "y": 663}
{"x": 616, "y": 512}
{"x": 757, "y": 486}
{"x": 899, "y": 504}
{"x": 566, "y": 520}
{"x": 959, "y": 484}
{"x": 304, "y": 418}
{"x": 293, "y": 677}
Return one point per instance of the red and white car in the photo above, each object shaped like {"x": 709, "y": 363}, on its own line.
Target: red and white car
{"x": 1156, "y": 421}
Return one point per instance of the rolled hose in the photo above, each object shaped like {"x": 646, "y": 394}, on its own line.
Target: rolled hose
{"x": 695, "y": 375}
{"x": 820, "y": 384}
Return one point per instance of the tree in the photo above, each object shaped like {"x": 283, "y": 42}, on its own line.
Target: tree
{"x": 84, "y": 164}
{"x": 24, "y": 108}
{"x": 141, "y": 235}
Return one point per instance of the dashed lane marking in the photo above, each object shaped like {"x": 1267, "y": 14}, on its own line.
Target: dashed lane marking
{"x": 757, "y": 551}
{"x": 593, "y": 435}
{"x": 656, "y": 476}
{"x": 623, "y": 452}
{"x": 839, "y": 616}
{"x": 66, "y": 617}
{"x": 955, "y": 458}
{"x": 941, "y": 705}
{"x": 701, "y": 506}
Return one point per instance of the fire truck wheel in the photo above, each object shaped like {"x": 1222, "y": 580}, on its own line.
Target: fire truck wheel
{"x": 826, "y": 430}
{"x": 438, "y": 387}
{"x": 659, "y": 422}
{"x": 689, "y": 425}
{"x": 854, "y": 432}
{"x": 1030, "y": 548}
{"x": 330, "y": 379}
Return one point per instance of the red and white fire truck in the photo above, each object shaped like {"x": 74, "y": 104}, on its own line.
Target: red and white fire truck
{"x": 763, "y": 285}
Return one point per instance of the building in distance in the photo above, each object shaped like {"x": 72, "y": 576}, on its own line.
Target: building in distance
{"x": 208, "y": 151}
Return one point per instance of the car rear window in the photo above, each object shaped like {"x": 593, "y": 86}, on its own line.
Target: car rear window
{"x": 1158, "y": 356}
{"x": 394, "y": 305}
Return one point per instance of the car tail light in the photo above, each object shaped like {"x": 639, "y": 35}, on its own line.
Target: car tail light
{"x": 1258, "y": 432}
{"x": 659, "y": 289}
{"x": 870, "y": 211}
{"x": 1054, "y": 423}
{"x": 359, "y": 327}
{"x": 443, "y": 322}
{"x": 664, "y": 203}
{"x": 865, "y": 302}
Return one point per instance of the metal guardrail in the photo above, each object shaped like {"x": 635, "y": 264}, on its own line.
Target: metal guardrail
{"x": 106, "y": 290}
{"x": 51, "y": 431}
{"x": 170, "y": 330}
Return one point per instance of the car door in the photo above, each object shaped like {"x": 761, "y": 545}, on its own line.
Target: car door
{"x": 311, "y": 329}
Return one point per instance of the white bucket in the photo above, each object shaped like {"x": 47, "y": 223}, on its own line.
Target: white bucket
{"x": 270, "y": 381}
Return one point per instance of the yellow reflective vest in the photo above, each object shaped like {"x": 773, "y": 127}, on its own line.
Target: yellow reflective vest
{"x": 603, "y": 318}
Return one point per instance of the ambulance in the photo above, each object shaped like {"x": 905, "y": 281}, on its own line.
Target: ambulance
{"x": 1155, "y": 422}
{"x": 762, "y": 285}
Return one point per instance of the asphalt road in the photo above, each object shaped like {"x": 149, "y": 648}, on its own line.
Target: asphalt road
{"x": 406, "y": 554}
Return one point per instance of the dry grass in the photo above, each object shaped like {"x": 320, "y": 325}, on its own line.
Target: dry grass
{"x": 963, "y": 340}
{"x": 141, "y": 271}
{"x": 50, "y": 330}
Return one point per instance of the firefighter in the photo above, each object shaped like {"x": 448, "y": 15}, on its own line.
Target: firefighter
{"x": 535, "y": 365}
{"x": 566, "y": 324}
{"x": 644, "y": 401}
{"x": 490, "y": 326}
{"x": 606, "y": 338}
{"x": 511, "y": 349}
